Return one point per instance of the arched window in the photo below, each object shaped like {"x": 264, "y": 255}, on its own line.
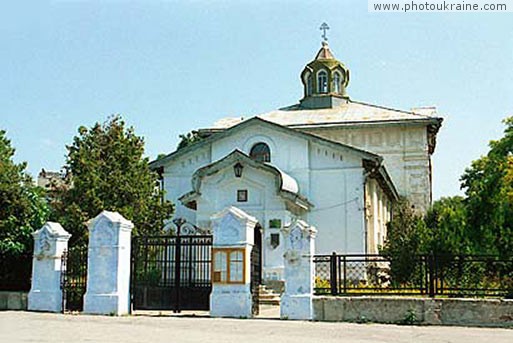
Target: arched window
{"x": 336, "y": 83}
{"x": 260, "y": 152}
{"x": 322, "y": 82}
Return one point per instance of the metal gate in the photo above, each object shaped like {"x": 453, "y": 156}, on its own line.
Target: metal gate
{"x": 256, "y": 271}
{"x": 73, "y": 278}
{"x": 171, "y": 272}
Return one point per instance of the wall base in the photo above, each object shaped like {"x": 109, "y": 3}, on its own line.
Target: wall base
{"x": 230, "y": 304}
{"x": 420, "y": 311}
{"x": 45, "y": 301}
{"x": 298, "y": 307}
{"x": 109, "y": 304}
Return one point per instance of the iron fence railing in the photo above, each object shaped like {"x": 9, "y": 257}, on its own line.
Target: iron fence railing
{"x": 424, "y": 275}
{"x": 74, "y": 277}
{"x": 171, "y": 272}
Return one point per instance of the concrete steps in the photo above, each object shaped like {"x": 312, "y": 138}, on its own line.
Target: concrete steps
{"x": 268, "y": 296}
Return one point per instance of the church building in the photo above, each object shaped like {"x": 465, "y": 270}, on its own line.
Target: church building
{"x": 336, "y": 163}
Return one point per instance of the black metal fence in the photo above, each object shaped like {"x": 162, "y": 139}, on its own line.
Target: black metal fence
{"x": 171, "y": 272}
{"x": 73, "y": 278}
{"x": 425, "y": 275}
{"x": 15, "y": 272}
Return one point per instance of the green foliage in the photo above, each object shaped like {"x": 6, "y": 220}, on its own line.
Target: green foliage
{"x": 362, "y": 319}
{"x": 23, "y": 208}
{"x": 108, "y": 172}
{"x": 150, "y": 277}
{"x": 188, "y": 139}
{"x": 406, "y": 234}
{"x": 488, "y": 185}
{"x": 410, "y": 318}
{"x": 447, "y": 228}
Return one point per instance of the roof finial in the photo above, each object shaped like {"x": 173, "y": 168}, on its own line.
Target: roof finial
{"x": 324, "y": 27}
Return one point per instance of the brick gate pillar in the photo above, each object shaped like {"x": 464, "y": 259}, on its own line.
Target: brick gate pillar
{"x": 49, "y": 244}
{"x": 233, "y": 231}
{"x": 299, "y": 273}
{"x": 108, "y": 265}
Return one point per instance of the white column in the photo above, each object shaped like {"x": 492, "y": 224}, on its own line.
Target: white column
{"x": 45, "y": 292}
{"x": 296, "y": 301}
{"x": 233, "y": 231}
{"x": 108, "y": 265}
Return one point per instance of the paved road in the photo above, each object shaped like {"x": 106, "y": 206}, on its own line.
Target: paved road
{"x": 46, "y": 327}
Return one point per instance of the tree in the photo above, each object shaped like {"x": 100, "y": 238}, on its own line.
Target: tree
{"x": 488, "y": 185}
{"x": 188, "y": 139}
{"x": 23, "y": 208}
{"x": 406, "y": 234}
{"x": 446, "y": 222}
{"x": 107, "y": 171}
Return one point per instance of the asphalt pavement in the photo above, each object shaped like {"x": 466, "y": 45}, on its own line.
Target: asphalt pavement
{"x": 18, "y": 326}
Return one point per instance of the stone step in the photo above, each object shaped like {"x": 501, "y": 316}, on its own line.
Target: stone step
{"x": 269, "y": 301}
{"x": 261, "y": 292}
{"x": 268, "y": 296}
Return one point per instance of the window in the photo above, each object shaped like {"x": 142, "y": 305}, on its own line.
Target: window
{"x": 236, "y": 266}
{"x": 336, "y": 83}
{"x": 322, "y": 82}
{"x": 220, "y": 268}
{"x": 260, "y": 152}
{"x": 242, "y": 195}
{"x": 275, "y": 224}
{"x": 275, "y": 240}
{"x": 229, "y": 265}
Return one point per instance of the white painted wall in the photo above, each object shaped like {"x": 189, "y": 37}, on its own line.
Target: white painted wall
{"x": 219, "y": 191}
{"x": 377, "y": 215}
{"x": 404, "y": 148}
{"x": 330, "y": 177}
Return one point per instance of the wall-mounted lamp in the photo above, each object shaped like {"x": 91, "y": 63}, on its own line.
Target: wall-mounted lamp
{"x": 237, "y": 169}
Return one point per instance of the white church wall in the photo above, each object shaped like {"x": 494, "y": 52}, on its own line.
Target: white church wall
{"x": 338, "y": 212}
{"x": 288, "y": 152}
{"x": 177, "y": 179}
{"x": 330, "y": 178}
{"x": 404, "y": 149}
{"x": 175, "y": 187}
{"x": 219, "y": 191}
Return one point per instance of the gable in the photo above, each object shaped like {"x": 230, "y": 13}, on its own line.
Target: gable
{"x": 249, "y": 131}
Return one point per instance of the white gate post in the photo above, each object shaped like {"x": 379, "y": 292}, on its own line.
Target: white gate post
{"x": 108, "y": 265}
{"x": 233, "y": 231}
{"x": 49, "y": 244}
{"x": 299, "y": 273}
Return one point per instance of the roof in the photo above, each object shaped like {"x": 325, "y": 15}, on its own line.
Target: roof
{"x": 325, "y": 52}
{"x": 241, "y": 125}
{"x": 350, "y": 113}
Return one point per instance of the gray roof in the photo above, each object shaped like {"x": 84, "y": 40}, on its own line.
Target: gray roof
{"x": 350, "y": 113}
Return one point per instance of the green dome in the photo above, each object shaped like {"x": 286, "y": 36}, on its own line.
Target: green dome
{"x": 324, "y": 77}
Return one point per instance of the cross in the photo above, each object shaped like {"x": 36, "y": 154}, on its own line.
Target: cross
{"x": 324, "y": 27}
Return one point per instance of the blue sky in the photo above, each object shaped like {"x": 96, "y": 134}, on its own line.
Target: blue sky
{"x": 172, "y": 66}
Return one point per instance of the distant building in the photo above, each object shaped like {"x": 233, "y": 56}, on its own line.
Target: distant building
{"x": 50, "y": 179}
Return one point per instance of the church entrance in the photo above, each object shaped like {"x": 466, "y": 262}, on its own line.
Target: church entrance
{"x": 256, "y": 269}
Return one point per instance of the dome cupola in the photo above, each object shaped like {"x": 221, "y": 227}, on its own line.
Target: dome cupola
{"x": 325, "y": 80}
